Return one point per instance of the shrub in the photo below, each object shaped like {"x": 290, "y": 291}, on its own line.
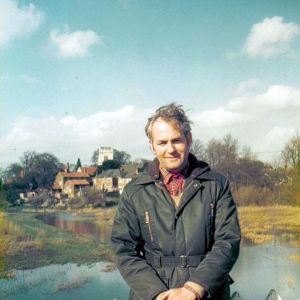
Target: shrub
{"x": 39, "y": 200}
{"x": 93, "y": 197}
{"x": 76, "y": 202}
{"x": 251, "y": 195}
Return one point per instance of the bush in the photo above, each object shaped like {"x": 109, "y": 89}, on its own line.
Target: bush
{"x": 93, "y": 197}
{"x": 76, "y": 202}
{"x": 39, "y": 200}
{"x": 251, "y": 195}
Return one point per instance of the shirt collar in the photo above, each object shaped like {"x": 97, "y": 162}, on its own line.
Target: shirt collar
{"x": 168, "y": 174}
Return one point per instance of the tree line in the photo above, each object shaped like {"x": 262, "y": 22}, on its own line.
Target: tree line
{"x": 252, "y": 181}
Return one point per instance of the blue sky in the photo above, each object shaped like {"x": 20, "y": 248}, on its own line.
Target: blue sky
{"x": 76, "y": 75}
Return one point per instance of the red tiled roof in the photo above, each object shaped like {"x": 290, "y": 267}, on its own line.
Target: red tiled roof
{"x": 77, "y": 182}
{"x": 74, "y": 174}
{"x": 89, "y": 170}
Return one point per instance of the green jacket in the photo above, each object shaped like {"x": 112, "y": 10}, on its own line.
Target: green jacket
{"x": 159, "y": 247}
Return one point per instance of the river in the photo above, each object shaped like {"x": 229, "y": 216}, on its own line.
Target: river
{"x": 258, "y": 269}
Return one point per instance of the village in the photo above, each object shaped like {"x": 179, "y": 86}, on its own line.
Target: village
{"x": 83, "y": 186}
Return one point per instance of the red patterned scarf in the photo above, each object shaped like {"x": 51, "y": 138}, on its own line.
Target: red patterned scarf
{"x": 174, "y": 182}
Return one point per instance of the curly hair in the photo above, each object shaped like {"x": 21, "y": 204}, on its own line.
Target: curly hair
{"x": 169, "y": 113}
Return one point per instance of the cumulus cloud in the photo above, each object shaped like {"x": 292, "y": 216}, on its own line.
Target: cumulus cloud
{"x": 17, "y": 21}
{"x": 263, "y": 120}
{"x": 275, "y": 136}
{"x": 70, "y": 137}
{"x": 249, "y": 86}
{"x": 249, "y": 107}
{"x": 276, "y": 97}
{"x": 218, "y": 118}
{"x": 271, "y": 37}
{"x": 73, "y": 44}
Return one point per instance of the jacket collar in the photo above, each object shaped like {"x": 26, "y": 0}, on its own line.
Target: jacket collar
{"x": 197, "y": 169}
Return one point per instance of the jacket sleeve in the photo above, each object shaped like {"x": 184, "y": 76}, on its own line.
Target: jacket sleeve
{"x": 126, "y": 239}
{"x": 214, "y": 269}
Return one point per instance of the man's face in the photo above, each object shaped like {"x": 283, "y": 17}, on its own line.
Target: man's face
{"x": 170, "y": 145}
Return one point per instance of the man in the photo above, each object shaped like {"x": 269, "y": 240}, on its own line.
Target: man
{"x": 176, "y": 232}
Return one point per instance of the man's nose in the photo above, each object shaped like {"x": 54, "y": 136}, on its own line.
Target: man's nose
{"x": 171, "y": 148}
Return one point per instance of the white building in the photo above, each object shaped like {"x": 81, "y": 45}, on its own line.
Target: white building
{"x": 105, "y": 153}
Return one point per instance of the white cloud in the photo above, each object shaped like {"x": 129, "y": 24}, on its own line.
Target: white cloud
{"x": 249, "y": 86}
{"x": 262, "y": 120}
{"x": 275, "y": 98}
{"x": 271, "y": 37}
{"x": 275, "y": 136}
{"x": 73, "y": 44}
{"x": 17, "y": 21}
{"x": 218, "y": 118}
{"x": 71, "y": 137}
{"x": 270, "y": 144}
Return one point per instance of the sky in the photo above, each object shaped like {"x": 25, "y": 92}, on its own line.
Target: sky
{"x": 77, "y": 75}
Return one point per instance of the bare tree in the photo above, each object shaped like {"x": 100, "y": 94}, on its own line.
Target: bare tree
{"x": 223, "y": 155}
{"x": 94, "y": 158}
{"x": 198, "y": 149}
{"x": 291, "y": 152}
{"x": 246, "y": 153}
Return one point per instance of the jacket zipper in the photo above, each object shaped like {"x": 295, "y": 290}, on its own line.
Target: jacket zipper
{"x": 147, "y": 221}
{"x": 212, "y": 209}
{"x": 189, "y": 185}
{"x": 212, "y": 213}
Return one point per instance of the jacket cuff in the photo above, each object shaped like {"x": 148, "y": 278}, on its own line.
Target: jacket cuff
{"x": 207, "y": 291}
{"x": 155, "y": 294}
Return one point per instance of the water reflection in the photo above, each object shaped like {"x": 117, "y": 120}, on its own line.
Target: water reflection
{"x": 262, "y": 268}
{"x": 78, "y": 225}
{"x": 259, "y": 269}
{"x": 68, "y": 281}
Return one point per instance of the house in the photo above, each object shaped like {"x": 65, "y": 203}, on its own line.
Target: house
{"x": 73, "y": 188}
{"x": 111, "y": 181}
{"x": 114, "y": 180}
{"x": 69, "y": 183}
{"x": 108, "y": 180}
{"x": 91, "y": 171}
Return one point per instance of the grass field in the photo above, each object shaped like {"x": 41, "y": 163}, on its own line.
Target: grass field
{"x": 263, "y": 224}
{"x": 26, "y": 242}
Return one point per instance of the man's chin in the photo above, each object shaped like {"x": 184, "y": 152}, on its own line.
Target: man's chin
{"x": 174, "y": 167}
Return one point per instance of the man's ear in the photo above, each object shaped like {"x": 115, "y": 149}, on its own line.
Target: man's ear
{"x": 151, "y": 146}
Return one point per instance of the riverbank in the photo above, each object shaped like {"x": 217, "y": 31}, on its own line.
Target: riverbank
{"x": 259, "y": 224}
{"x": 27, "y": 242}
